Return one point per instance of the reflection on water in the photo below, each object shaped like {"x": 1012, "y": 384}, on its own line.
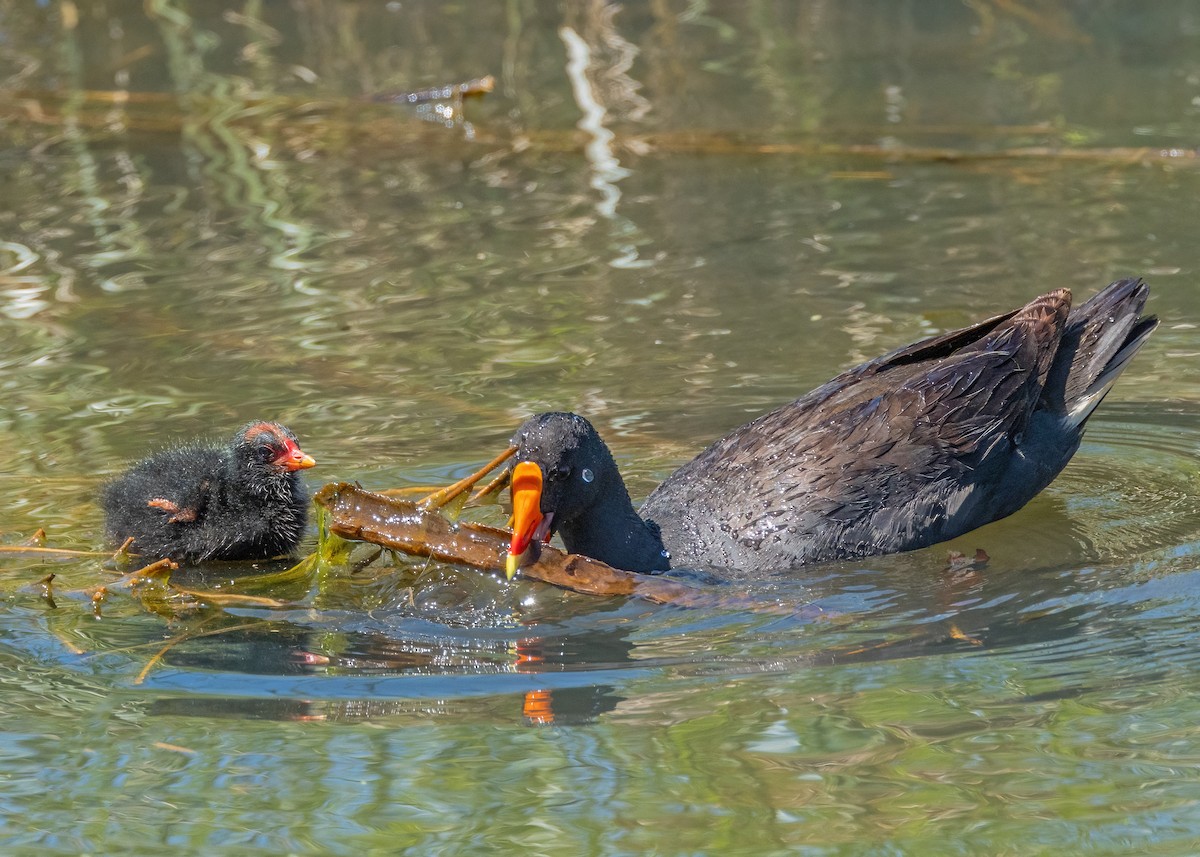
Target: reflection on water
{"x": 656, "y": 219}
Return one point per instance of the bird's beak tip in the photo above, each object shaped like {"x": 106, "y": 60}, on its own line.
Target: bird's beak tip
{"x": 527, "y": 517}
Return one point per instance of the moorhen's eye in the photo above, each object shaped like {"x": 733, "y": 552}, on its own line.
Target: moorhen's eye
{"x": 561, "y": 472}
{"x": 264, "y": 453}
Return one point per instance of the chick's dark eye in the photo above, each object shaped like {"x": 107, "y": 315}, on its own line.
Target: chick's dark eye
{"x": 264, "y": 453}
{"x": 561, "y": 472}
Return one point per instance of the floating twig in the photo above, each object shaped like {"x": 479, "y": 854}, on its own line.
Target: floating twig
{"x": 158, "y": 656}
{"x": 20, "y": 550}
{"x": 98, "y": 596}
{"x": 232, "y": 599}
{"x": 454, "y": 92}
{"x": 444, "y": 496}
{"x": 354, "y": 513}
{"x": 494, "y": 487}
{"x": 122, "y": 553}
{"x": 48, "y": 589}
{"x": 152, "y": 112}
{"x": 160, "y": 568}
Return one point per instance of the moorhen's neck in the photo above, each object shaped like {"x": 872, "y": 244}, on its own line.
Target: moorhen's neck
{"x": 611, "y": 530}
{"x": 569, "y": 474}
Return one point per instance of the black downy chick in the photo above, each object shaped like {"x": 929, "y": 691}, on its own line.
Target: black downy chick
{"x": 199, "y": 501}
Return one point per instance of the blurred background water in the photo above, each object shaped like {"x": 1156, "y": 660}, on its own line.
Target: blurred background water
{"x": 670, "y": 217}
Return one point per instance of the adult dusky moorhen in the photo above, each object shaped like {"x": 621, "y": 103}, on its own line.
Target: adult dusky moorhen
{"x": 195, "y": 502}
{"x": 910, "y": 449}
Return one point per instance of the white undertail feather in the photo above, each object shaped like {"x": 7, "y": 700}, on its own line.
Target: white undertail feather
{"x": 1081, "y": 408}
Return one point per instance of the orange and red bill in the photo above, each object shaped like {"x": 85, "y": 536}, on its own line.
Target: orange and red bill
{"x": 294, "y": 458}
{"x": 529, "y": 524}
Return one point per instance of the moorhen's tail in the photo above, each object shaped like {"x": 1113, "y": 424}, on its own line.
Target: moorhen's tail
{"x": 1100, "y": 338}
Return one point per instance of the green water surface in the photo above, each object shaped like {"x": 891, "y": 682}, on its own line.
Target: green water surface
{"x": 671, "y": 217}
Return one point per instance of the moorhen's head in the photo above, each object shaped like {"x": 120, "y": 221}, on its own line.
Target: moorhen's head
{"x": 562, "y": 470}
{"x": 264, "y": 451}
